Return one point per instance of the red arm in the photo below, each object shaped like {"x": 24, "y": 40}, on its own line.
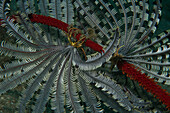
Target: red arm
{"x": 147, "y": 83}
{"x": 49, "y": 21}
{"x": 63, "y": 26}
{"x": 0, "y": 21}
{"x": 94, "y": 46}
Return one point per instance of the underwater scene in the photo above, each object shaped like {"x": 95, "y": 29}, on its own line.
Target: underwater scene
{"x": 84, "y": 56}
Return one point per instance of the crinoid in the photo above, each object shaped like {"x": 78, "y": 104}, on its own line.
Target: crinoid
{"x": 65, "y": 52}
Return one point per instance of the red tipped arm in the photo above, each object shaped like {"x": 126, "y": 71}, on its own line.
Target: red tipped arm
{"x": 147, "y": 83}
{"x": 49, "y": 21}
{"x": 91, "y": 44}
{"x": 63, "y": 26}
{"x": 94, "y": 46}
{"x": 0, "y": 21}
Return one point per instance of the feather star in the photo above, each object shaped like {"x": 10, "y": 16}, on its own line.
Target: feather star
{"x": 114, "y": 36}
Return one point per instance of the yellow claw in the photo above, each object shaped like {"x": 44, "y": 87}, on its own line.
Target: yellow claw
{"x": 84, "y": 53}
{"x": 78, "y": 43}
{"x": 117, "y": 54}
{"x": 115, "y": 58}
{"x": 69, "y": 35}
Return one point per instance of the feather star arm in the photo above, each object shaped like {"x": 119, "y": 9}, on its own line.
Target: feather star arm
{"x": 65, "y": 27}
{"x": 148, "y": 84}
